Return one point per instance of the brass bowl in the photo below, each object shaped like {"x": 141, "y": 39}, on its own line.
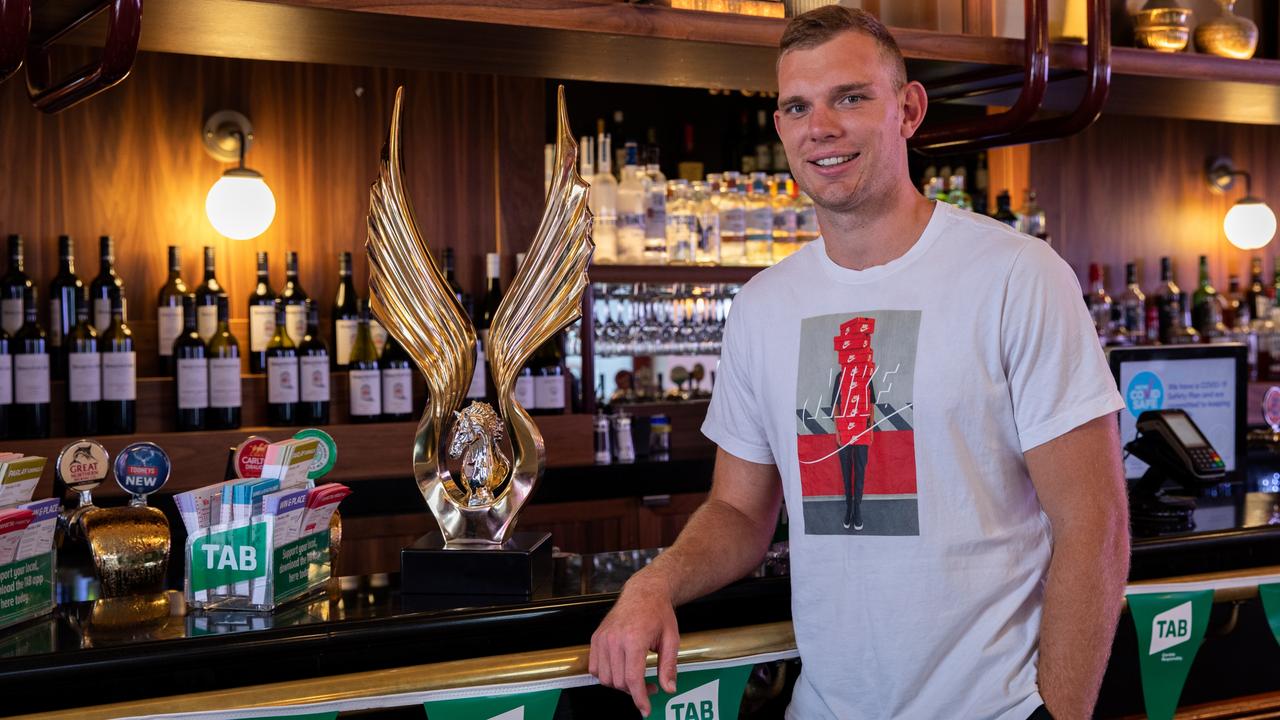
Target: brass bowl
{"x": 1162, "y": 29}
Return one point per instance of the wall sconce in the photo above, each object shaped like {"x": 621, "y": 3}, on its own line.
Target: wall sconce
{"x": 1250, "y": 223}
{"x": 239, "y": 205}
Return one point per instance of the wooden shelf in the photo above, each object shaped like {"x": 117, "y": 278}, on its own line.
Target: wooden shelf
{"x": 374, "y": 451}
{"x": 671, "y": 274}
{"x": 608, "y": 40}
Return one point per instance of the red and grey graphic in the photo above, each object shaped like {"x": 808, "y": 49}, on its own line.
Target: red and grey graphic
{"x": 854, "y": 430}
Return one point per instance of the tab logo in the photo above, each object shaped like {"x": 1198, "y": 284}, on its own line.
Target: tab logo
{"x": 513, "y": 714}
{"x": 224, "y": 557}
{"x": 1171, "y": 627}
{"x": 700, "y": 703}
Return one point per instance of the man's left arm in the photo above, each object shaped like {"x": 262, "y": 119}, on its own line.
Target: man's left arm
{"x": 1079, "y": 477}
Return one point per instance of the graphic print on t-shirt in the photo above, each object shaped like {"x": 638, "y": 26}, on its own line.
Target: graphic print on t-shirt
{"x": 855, "y": 423}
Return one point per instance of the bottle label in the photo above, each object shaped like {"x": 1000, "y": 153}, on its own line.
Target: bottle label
{"x": 733, "y": 221}
{"x": 366, "y": 393}
{"x": 193, "y": 383}
{"x": 315, "y": 378}
{"x": 6, "y": 379}
{"x": 295, "y": 322}
{"x": 379, "y": 334}
{"x": 548, "y": 392}
{"x": 31, "y": 379}
{"x": 262, "y": 325}
{"x": 84, "y": 377}
{"x": 807, "y": 222}
{"x": 397, "y": 391}
{"x": 282, "y": 380}
{"x": 631, "y": 221}
{"x": 344, "y": 339}
{"x": 784, "y": 221}
{"x": 760, "y": 222}
{"x": 655, "y": 213}
{"x": 206, "y": 321}
{"x": 120, "y": 376}
{"x": 224, "y": 382}
{"x": 524, "y": 392}
{"x": 101, "y": 314}
{"x": 476, "y": 389}
{"x": 11, "y": 315}
{"x": 55, "y": 322}
{"x": 169, "y": 319}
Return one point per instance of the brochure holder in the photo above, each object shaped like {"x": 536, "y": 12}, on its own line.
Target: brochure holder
{"x": 236, "y": 567}
{"x": 26, "y": 588}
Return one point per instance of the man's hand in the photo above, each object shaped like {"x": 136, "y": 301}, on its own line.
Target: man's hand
{"x": 642, "y": 619}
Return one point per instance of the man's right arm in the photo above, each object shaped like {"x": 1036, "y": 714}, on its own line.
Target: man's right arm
{"x": 723, "y": 541}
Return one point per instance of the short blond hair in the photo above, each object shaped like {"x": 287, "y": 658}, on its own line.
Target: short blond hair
{"x": 816, "y": 27}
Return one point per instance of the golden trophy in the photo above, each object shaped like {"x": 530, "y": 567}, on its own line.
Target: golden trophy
{"x": 477, "y": 509}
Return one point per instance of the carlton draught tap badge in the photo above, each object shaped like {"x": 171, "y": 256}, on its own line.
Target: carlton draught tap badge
{"x": 412, "y": 299}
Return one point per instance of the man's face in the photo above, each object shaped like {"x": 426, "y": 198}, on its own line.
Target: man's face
{"x": 840, "y": 119}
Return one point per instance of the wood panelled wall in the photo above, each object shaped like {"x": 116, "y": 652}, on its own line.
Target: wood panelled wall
{"x": 130, "y": 163}
{"x": 1132, "y": 188}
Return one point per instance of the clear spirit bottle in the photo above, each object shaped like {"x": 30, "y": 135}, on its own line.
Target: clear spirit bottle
{"x": 604, "y": 203}
{"x": 655, "y": 211}
{"x": 707, "y": 215}
{"x": 631, "y": 219}
{"x": 784, "y": 217}
{"x": 733, "y": 222}
{"x": 759, "y": 246}
{"x": 682, "y": 230}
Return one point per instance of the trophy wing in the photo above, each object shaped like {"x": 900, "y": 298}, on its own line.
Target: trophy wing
{"x": 546, "y": 294}
{"x": 408, "y": 290}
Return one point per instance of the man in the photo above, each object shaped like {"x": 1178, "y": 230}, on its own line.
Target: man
{"x": 988, "y": 578}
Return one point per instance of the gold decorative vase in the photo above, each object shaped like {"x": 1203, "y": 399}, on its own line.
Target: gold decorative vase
{"x": 1164, "y": 29}
{"x": 1228, "y": 35}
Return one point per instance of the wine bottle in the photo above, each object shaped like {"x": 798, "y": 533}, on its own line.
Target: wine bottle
{"x": 66, "y": 295}
{"x": 169, "y": 312}
{"x": 30, "y": 416}
{"x": 191, "y": 363}
{"x": 547, "y": 365}
{"x": 119, "y": 408}
{"x": 262, "y": 317}
{"x": 107, "y": 287}
{"x": 364, "y": 381}
{"x": 488, "y": 309}
{"x": 84, "y": 376}
{"x": 1165, "y": 299}
{"x": 294, "y": 300}
{"x": 6, "y": 383}
{"x": 282, "y": 373}
{"x": 451, "y": 277}
{"x": 14, "y": 287}
{"x": 345, "y": 316}
{"x": 396, "y": 370}
{"x": 224, "y": 372}
{"x": 313, "y": 369}
{"x": 207, "y": 298}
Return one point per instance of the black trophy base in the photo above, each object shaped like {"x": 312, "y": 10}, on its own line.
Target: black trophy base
{"x": 520, "y": 568}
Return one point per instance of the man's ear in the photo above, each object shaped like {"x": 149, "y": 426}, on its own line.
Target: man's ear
{"x": 915, "y": 102}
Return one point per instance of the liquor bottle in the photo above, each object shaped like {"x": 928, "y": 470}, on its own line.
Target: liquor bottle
{"x": 1031, "y": 218}
{"x": 29, "y": 417}
{"x": 262, "y": 317}
{"x": 1183, "y": 331}
{"x": 313, "y": 373}
{"x": 294, "y": 300}
{"x": 682, "y": 224}
{"x": 191, "y": 368}
{"x": 396, "y": 371}
{"x": 806, "y": 218}
{"x": 1256, "y": 298}
{"x": 364, "y": 382}
{"x": 707, "y": 224}
{"x": 107, "y": 287}
{"x": 784, "y": 217}
{"x": 1099, "y": 303}
{"x": 1004, "y": 210}
{"x": 84, "y": 376}
{"x": 345, "y": 314}
{"x": 488, "y": 309}
{"x": 547, "y": 364}
{"x": 655, "y": 211}
{"x": 451, "y": 277}
{"x": 119, "y": 411}
{"x": 631, "y": 209}
{"x": 14, "y": 289}
{"x": 207, "y": 298}
{"x": 169, "y": 312}
{"x": 604, "y": 203}
{"x": 1206, "y": 306}
{"x": 1133, "y": 308}
{"x": 1165, "y": 298}
{"x": 282, "y": 373}
{"x": 224, "y": 372}
{"x": 733, "y": 222}
{"x": 66, "y": 295}
{"x": 1235, "y": 310}
{"x": 759, "y": 214}
{"x": 6, "y": 383}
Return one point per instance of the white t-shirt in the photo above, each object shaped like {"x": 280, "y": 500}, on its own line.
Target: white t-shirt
{"x": 972, "y": 348}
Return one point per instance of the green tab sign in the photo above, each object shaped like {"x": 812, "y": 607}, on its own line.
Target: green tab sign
{"x": 1270, "y": 594}
{"x": 300, "y": 563}
{"x": 524, "y": 706}
{"x": 26, "y": 588}
{"x": 703, "y": 695}
{"x": 1170, "y": 627}
{"x": 231, "y": 556}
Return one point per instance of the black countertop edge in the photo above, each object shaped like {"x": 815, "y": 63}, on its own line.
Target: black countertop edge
{"x": 1204, "y": 552}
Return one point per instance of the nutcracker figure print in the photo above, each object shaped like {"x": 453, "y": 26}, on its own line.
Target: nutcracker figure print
{"x": 855, "y": 423}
